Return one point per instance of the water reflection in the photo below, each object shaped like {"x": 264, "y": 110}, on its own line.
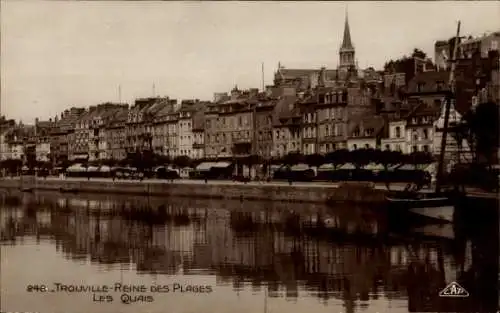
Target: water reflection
{"x": 342, "y": 257}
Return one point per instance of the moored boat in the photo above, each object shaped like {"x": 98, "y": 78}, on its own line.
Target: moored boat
{"x": 438, "y": 207}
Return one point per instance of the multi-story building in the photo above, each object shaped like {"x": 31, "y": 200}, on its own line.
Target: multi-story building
{"x": 185, "y": 127}
{"x": 263, "y": 118}
{"x": 396, "y": 139}
{"x": 474, "y": 74}
{"x": 211, "y": 129}
{"x": 426, "y": 96}
{"x": 172, "y": 118}
{"x": 335, "y": 107}
{"x": 29, "y": 145}
{"x": 443, "y": 49}
{"x": 482, "y": 44}
{"x": 366, "y": 132}
{"x": 244, "y": 124}
{"x": 12, "y": 145}
{"x": 331, "y": 119}
{"x": 43, "y": 130}
{"x": 6, "y": 129}
{"x": 235, "y": 124}
{"x": 287, "y": 121}
{"x": 308, "y": 109}
{"x": 79, "y": 138}
{"x": 96, "y": 122}
{"x": 420, "y": 128}
{"x": 198, "y": 130}
{"x": 115, "y": 136}
{"x": 4, "y": 147}
{"x": 141, "y": 121}
{"x": 164, "y": 128}
{"x": 63, "y": 137}
{"x": 160, "y": 128}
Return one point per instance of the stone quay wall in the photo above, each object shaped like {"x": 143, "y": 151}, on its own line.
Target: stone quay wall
{"x": 358, "y": 193}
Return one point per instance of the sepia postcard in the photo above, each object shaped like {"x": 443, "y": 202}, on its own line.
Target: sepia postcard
{"x": 249, "y": 156}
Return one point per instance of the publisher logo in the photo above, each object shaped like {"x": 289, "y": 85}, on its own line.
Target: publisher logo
{"x": 454, "y": 290}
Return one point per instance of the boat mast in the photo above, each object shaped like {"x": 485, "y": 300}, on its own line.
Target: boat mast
{"x": 449, "y": 98}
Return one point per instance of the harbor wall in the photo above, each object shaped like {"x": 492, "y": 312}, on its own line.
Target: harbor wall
{"x": 352, "y": 192}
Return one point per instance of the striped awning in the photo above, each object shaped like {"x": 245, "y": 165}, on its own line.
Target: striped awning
{"x": 205, "y": 166}
{"x": 222, "y": 164}
{"x": 347, "y": 166}
{"x": 300, "y": 167}
{"x": 374, "y": 167}
{"x": 327, "y": 167}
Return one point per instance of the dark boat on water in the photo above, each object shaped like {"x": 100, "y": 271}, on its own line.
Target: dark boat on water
{"x": 438, "y": 207}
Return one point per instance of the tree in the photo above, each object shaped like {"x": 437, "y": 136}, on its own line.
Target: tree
{"x": 337, "y": 157}
{"x": 162, "y": 159}
{"x": 293, "y": 158}
{"x": 182, "y": 161}
{"x": 388, "y": 158}
{"x": 419, "y": 158}
{"x": 315, "y": 159}
{"x": 418, "y": 53}
{"x": 361, "y": 157}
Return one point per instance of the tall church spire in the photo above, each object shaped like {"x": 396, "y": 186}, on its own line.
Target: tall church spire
{"x": 346, "y": 53}
{"x": 346, "y": 41}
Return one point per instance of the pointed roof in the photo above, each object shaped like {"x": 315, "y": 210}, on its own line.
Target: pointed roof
{"x": 346, "y": 41}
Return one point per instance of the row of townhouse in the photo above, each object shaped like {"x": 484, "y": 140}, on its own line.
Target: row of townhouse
{"x": 269, "y": 124}
{"x": 306, "y": 110}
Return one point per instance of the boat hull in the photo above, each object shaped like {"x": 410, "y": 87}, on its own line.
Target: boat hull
{"x": 426, "y": 209}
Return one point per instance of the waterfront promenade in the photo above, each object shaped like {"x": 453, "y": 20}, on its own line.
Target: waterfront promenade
{"x": 312, "y": 192}
{"x": 317, "y": 192}
{"x": 218, "y": 182}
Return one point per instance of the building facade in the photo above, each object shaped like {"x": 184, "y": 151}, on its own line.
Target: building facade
{"x": 396, "y": 136}
{"x": 366, "y": 133}
{"x": 287, "y": 127}
{"x": 263, "y": 129}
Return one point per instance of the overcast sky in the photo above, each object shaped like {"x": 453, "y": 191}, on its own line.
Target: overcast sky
{"x": 55, "y": 55}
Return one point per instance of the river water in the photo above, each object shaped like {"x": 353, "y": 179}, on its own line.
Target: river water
{"x": 144, "y": 254}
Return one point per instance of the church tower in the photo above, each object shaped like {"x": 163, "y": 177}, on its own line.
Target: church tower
{"x": 346, "y": 52}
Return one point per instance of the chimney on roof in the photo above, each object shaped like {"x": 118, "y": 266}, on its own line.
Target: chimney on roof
{"x": 322, "y": 77}
{"x": 235, "y": 93}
